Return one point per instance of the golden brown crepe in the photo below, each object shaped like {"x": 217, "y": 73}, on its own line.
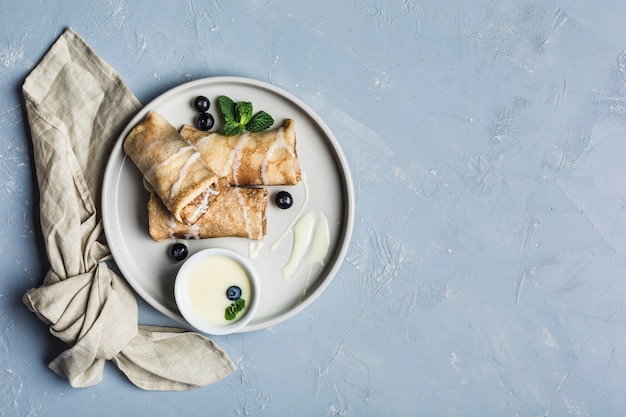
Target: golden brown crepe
{"x": 236, "y": 212}
{"x": 174, "y": 168}
{"x": 263, "y": 158}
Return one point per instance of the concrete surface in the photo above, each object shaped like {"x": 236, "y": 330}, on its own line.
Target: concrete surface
{"x": 487, "y": 272}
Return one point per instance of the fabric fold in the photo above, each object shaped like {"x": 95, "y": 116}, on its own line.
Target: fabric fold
{"x": 76, "y": 106}
{"x": 153, "y": 360}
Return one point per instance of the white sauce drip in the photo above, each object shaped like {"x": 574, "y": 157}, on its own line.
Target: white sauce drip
{"x": 279, "y": 142}
{"x": 156, "y": 167}
{"x": 302, "y": 234}
{"x": 310, "y": 243}
{"x": 193, "y": 232}
{"x": 175, "y": 188}
{"x": 203, "y": 206}
{"x": 236, "y": 156}
{"x": 201, "y": 142}
{"x": 320, "y": 242}
{"x": 246, "y": 217}
{"x": 254, "y": 247}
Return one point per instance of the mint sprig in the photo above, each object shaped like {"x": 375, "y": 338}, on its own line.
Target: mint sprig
{"x": 240, "y": 117}
{"x": 234, "y": 309}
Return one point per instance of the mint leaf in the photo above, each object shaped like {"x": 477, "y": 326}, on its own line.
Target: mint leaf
{"x": 259, "y": 122}
{"x": 243, "y": 112}
{"x": 233, "y": 128}
{"x": 230, "y": 313}
{"x": 232, "y": 310}
{"x": 227, "y": 107}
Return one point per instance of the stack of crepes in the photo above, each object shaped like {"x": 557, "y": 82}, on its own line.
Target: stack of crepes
{"x": 207, "y": 185}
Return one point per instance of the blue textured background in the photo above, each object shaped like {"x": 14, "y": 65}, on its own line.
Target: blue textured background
{"x": 487, "y": 273}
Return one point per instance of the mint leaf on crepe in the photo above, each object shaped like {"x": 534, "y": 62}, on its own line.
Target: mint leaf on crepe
{"x": 259, "y": 122}
{"x": 233, "y": 128}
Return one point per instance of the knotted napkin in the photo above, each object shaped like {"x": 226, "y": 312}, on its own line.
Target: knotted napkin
{"x": 77, "y": 106}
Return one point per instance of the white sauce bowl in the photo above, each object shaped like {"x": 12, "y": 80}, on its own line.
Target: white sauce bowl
{"x": 201, "y": 290}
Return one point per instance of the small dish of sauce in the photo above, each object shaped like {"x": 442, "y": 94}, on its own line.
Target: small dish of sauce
{"x": 217, "y": 291}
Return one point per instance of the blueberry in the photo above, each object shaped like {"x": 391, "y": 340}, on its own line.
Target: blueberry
{"x": 205, "y": 121}
{"x": 179, "y": 251}
{"x": 233, "y": 293}
{"x": 201, "y": 103}
{"x": 283, "y": 200}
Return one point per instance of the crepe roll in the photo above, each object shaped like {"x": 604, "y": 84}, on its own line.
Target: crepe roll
{"x": 236, "y": 212}
{"x": 174, "y": 168}
{"x": 262, "y": 158}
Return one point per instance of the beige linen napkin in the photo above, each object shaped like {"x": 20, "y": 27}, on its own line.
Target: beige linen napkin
{"x": 77, "y": 106}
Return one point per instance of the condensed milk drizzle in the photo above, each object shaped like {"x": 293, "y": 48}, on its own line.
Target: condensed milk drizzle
{"x": 236, "y": 156}
{"x": 310, "y": 243}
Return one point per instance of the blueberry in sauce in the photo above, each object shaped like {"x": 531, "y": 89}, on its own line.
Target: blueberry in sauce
{"x": 233, "y": 293}
{"x": 283, "y": 199}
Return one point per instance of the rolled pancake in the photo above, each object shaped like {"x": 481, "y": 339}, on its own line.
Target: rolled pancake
{"x": 174, "y": 168}
{"x": 262, "y": 158}
{"x": 236, "y": 212}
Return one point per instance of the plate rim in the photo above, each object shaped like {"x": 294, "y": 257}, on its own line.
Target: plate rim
{"x": 112, "y": 176}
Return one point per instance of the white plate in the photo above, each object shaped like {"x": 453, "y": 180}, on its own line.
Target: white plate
{"x": 327, "y": 182}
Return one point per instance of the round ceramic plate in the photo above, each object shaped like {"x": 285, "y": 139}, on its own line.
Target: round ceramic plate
{"x": 326, "y": 190}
